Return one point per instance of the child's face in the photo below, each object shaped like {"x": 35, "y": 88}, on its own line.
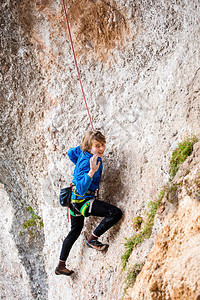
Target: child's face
{"x": 97, "y": 148}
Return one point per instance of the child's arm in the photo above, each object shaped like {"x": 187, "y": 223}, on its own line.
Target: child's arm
{"x": 74, "y": 153}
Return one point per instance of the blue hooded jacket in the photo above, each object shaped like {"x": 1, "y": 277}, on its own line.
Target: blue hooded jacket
{"x": 81, "y": 178}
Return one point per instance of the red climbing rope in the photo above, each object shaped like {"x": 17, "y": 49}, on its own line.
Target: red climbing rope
{"x": 76, "y": 64}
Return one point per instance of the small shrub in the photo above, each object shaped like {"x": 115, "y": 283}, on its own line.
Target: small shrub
{"x": 34, "y": 224}
{"x": 179, "y": 155}
{"x": 137, "y": 222}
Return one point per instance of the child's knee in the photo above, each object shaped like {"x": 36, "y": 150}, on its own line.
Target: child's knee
{"x": 118, "y": 213}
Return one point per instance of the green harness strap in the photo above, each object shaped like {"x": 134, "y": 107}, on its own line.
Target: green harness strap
{"x": 82, "y": 210}
{"x": 84, "y": 207}
{"x": 72, "y": 213}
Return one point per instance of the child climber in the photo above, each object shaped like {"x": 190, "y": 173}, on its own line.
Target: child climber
{"x": 86, "y": 179}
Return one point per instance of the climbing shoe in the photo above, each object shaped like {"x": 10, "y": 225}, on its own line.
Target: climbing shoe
{"x": 63, "y": 272}
{"x": 97, "y": 245}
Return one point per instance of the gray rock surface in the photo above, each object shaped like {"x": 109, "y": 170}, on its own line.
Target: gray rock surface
{"x": 139, "y": 64}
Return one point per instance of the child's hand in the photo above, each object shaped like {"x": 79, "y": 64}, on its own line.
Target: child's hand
{"x": 93, "y": 165}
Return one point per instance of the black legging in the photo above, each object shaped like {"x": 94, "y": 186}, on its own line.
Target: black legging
{"x": 111, "y": 213}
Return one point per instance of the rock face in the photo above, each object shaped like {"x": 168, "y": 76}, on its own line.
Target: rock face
{"x": 139, "y": 64}
{"x": 171, "y": 270}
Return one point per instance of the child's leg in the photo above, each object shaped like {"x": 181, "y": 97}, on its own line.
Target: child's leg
{"x": 76, "y": 228}
{"x": 112, "y": 215}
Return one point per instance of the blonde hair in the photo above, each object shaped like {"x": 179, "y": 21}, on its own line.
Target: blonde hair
{"x": 89, "y": 137}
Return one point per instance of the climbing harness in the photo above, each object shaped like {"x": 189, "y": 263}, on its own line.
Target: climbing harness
{"x": 88, "y": 202}
{"x": 83, "y": 208}
{"x": 75, "y": 200}
{"x": 81, "y": 212}
{"x": 68, "y": 198}
{"x": 76, "y": 64}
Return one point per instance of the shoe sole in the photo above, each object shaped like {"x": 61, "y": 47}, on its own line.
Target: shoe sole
{"x": 96, "y": 248}
{"x": 59, "y": 272}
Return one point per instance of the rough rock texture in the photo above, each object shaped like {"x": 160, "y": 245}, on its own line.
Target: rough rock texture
{"x": 139, "y": 63}
{"x": 14, "y": 279}
{"x": 172, "y": 267}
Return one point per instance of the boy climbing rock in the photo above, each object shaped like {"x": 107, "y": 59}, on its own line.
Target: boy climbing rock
{"x": 86, "y": 178}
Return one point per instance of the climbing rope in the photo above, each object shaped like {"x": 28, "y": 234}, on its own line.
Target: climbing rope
{"x": 76, "y": 64}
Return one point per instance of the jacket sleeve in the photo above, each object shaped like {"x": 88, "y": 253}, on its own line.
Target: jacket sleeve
{"x": 83, "y": 180}
{"x": 73, "y": 154}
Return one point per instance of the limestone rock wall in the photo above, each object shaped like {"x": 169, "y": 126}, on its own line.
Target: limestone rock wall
{"x": 139, "y": 64}
{"x": 171, "y": 270}
{"x": 14, "y": 279}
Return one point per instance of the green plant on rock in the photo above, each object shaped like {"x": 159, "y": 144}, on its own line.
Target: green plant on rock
{"x": 137, "y": 222}
{"x": 129, "y": 245}
{"x": 180, "y": 154}
{"x": 145, "y": 232}
{"x": 132, "y": 274}
{"x": 34, "y": 224}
